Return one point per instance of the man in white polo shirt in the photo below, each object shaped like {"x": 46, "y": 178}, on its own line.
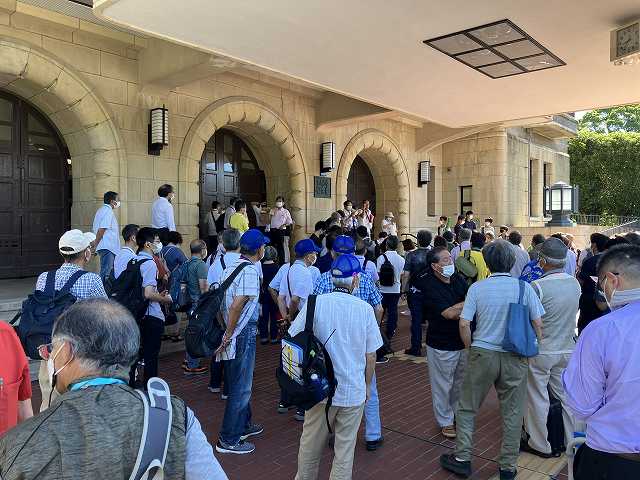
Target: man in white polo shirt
{"x": 391, "y": 293}
{"x": 348, "y": 328}
{"x": 106, "y": 230}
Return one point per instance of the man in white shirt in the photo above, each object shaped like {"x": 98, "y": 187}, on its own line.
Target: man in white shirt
{"x": 391, "y": 293}
{"x": 389, "y": 224}
{"x": 522, "y": 257}
{"x": 128, "y": 251}
{"x": 238, "y": 347}
{"x": 348, "y": 327}
{"x": 228, "y": 256}
{"x": 106, "y": 230}
{"x": 366, "y": 217}
{"x": 162, "y": 217}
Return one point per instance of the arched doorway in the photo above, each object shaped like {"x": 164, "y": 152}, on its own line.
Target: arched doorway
{"x": 35, "y": 190}
{"x": 229, "y": 169}
{"x": 360, "y": 185}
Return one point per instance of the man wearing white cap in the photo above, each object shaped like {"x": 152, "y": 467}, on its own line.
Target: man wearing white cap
{"x": 74, "y": 246}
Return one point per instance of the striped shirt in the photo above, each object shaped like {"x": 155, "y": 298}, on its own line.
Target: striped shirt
{"x": 88, "y": 285}
{"x": 366, "y": 291}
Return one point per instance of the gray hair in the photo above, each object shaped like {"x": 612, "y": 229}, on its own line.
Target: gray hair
{"x": 499, "y": 256}
{"x": 231, "y": 239}
{"x": 553, "y": 262}
{"x": 342, "y": 282}
{"x": 465, "y": 234}
{"x": 102, "y": 334}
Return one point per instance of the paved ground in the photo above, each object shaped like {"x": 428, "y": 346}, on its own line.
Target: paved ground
{"x": 412, "y": 440}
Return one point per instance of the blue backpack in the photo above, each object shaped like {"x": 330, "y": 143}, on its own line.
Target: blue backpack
{"x": 40, "y": 311}
{"x": 519, "y": 336}
{"x": 178, "y": 288}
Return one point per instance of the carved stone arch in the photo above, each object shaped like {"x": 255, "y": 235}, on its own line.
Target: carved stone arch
{"x": 273, "y": 142}
{"x": 389, "y": 171}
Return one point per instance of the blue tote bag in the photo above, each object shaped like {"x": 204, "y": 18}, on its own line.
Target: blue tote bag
{"x": 519, "y": 336}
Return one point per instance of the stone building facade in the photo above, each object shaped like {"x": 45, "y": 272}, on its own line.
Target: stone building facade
{"x": 96, "y": 85}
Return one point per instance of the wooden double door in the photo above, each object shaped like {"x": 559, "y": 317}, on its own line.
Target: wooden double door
{"x": 228, "y": 170}
{"x": 35, "y": 190}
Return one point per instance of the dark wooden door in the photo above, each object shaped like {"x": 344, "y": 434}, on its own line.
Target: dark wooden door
{"x": 228, "y": 170}
{"x": 360, "y": 185}
{"x": 34, "y": 190}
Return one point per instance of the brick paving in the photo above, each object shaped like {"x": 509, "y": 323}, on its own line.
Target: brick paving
{"x": 412, "y": 439}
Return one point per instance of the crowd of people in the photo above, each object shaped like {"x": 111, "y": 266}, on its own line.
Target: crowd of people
{"x": 461, "y": 283}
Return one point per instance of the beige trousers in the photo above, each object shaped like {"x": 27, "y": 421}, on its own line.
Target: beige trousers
{"x": 345, "y": 422}
{"x": 546, "y": 369}
{"x": 45, "y": 386}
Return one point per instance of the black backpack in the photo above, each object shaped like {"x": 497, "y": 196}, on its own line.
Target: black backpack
{"x": 40, "y": 310}
{"x": 387, "y": 274}
{"x": 127, "y": 289}
{"x": 205, "y": 329}
{"x": 305, "y": 372}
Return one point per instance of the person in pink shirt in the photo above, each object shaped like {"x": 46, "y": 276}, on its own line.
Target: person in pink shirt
{"x": 15, "y": 382}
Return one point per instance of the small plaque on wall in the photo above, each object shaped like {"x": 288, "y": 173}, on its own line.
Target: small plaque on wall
{"x": 322, "y": 187}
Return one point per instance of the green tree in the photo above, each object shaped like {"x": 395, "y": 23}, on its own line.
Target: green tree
{"x": 607, "y": 169}
{"x": 607, "y": 120}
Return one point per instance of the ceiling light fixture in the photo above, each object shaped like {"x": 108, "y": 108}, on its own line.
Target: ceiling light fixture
{"x": 499, "y": 49}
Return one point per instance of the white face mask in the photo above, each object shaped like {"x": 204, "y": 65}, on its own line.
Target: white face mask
{"x": 279, "y": 204}
{"x": 156, "y": 247}
{"x": 448, "y": 270}
{"x": 117, "y": 205}
{"x": 620, "y": 298}
{"x": 51, "y": 369}
{"x": 348, "y": 208}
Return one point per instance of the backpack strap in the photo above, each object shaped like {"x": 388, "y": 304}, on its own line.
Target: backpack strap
{"x": 158, "y": 416}
{"x": 364, "y": 265}
{"x": 289, "y": 283}
{"x": 50, "y": 285}
{"x": 233, "y": 275}
{"x": 71, "y": 282}
{"x": 224, "y": 266}
{"x": 311, "y": 308}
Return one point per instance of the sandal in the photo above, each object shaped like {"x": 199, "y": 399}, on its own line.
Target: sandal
{"x": 176, "y": 338}
{"x": 165, "y": 337}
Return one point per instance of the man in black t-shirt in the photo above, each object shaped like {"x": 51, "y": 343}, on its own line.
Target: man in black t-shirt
{"x": 443, "y": 294}
{"x": 589, "y": 310}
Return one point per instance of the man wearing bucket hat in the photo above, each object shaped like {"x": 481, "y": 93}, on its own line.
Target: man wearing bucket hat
{"x": 559, "y": 293}
{"x": 348, "y": 328}
{"x": 75, "y": 248}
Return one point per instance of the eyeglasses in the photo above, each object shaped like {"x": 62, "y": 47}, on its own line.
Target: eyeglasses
{"x": 45, "y": 351}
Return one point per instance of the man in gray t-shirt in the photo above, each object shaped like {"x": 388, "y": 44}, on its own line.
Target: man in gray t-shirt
{"x": 489, "y": 364}
{"x": 196, "y": 285}
{"x": 560, "y": 295}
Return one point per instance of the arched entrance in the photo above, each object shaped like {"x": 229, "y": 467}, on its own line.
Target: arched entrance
{"x": 360, "y": 185}
{"x": 35, "y": 207}
{"x": 229, "y": 169}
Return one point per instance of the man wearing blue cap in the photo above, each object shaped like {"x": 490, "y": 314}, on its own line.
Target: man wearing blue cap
{"x": 348, "y": 328}
{"x": 296, "y": 285}
{"x": 367, "y": 291}
{"x": 240, "y": 312}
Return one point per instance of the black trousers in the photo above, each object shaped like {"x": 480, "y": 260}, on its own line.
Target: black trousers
{"x": 593, "y": 464}
{"x": 151, "y": 330}
{"x": 277, "y": 241}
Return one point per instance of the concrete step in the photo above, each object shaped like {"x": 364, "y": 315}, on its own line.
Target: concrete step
{"x": 9, "y": 308}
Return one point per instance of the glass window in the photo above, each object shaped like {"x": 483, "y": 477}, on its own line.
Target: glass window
{"x": 228, "y": 144}
{"x": 5, "y": 134}
{"x": 228, "y": 162}
{"x": 6, "y": 110}
{"x": 248, "y": 166}
{"x": 42, "y": 143}
{"x": 35, "y": 125}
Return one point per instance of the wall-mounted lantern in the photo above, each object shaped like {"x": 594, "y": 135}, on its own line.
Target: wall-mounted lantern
{"x": 327, "y": 157}
{"x": 158, "y": 129}
{"x": 424, "y": 172}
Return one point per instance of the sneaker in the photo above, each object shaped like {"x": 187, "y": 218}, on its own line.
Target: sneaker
{"x": 214, "y": 389}
{"x": 413, "y": 352}
{"x": 373, "y": 445}
{"x": 264, "y": 341}
{"x": 274, "y": 341}
{"x": 508, "y": 474}
{"x": 254, "y": 429}
{"x": 284, "y": 408}
{"x": 382, "y": 359}
{"x": 240, "y": 448}
{"x": 299, "y": 416}
{"x": 224, "y": 397}
{"x": 449, "y": 431}
{"x": 448, "y": 461}
{"x": 195, "y": 371}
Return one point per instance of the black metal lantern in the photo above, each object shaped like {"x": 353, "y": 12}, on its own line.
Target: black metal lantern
{"x": 560, "y": 201}
{"x": 158, "y": 130}
{"x": 424, "y": 172}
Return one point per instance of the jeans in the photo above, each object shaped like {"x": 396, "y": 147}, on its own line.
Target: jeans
{"x": 390, "y": 305}
{"x": 372, "y": 424}
{"x": 414, "y": 300}
{"x": 238, "y": 373}
{"x": 215, "y": 379}
{"x": 192, "y": 362}
{"x": 106, "y": 263}
{"x": 151, "y": 329}
{"x": 268, "y": 322}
